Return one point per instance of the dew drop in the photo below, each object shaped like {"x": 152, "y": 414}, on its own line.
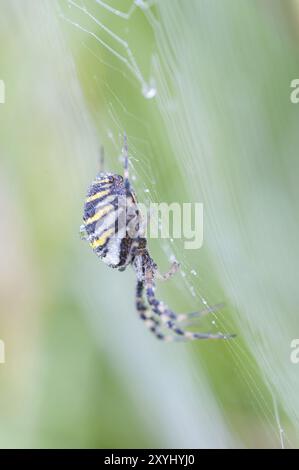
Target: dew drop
{"x": 192, "y": 291}
{"x": 149, "y": 91}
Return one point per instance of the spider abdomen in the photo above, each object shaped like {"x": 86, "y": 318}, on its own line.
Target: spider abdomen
{"x": 111, "y": 219}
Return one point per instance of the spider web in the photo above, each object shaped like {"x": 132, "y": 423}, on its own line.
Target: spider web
{"x": 108, "y": 33}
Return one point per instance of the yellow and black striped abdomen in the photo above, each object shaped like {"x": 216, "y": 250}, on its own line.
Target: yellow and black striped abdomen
{"x": 105, "y": 219}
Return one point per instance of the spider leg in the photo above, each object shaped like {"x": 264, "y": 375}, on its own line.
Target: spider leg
{"x": 102, "y": 159}
{"x": 182, "y": 317}
{"x": 169, "y": 318}
{"x": 175, "y": 266}
{"x": 147, "y": 317}
{"x": 126, "y": 162}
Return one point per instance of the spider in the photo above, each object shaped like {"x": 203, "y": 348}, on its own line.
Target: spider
{"x": 114, "y": 229}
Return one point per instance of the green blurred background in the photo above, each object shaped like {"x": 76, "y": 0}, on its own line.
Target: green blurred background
{"x": 202, "y": 88}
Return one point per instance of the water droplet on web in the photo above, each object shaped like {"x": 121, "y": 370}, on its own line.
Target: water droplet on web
{"x": 146, "y": 190}
{"x": 213, "y": 322}
{"x": 192, "y": 291}
{"x": 149, "y": 91}
{"x": 172, "y": 240}
{"x": 193, "y": 272}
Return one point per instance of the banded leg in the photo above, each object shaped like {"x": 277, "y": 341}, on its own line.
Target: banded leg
{"x": 169, "y": 318}
{"x": 149, "y": 320}
{"x": 175, "y": 266}
{"x": 187, "y": 317}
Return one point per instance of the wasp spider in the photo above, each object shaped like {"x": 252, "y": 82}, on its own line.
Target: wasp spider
{"x": 114, "y": 230}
